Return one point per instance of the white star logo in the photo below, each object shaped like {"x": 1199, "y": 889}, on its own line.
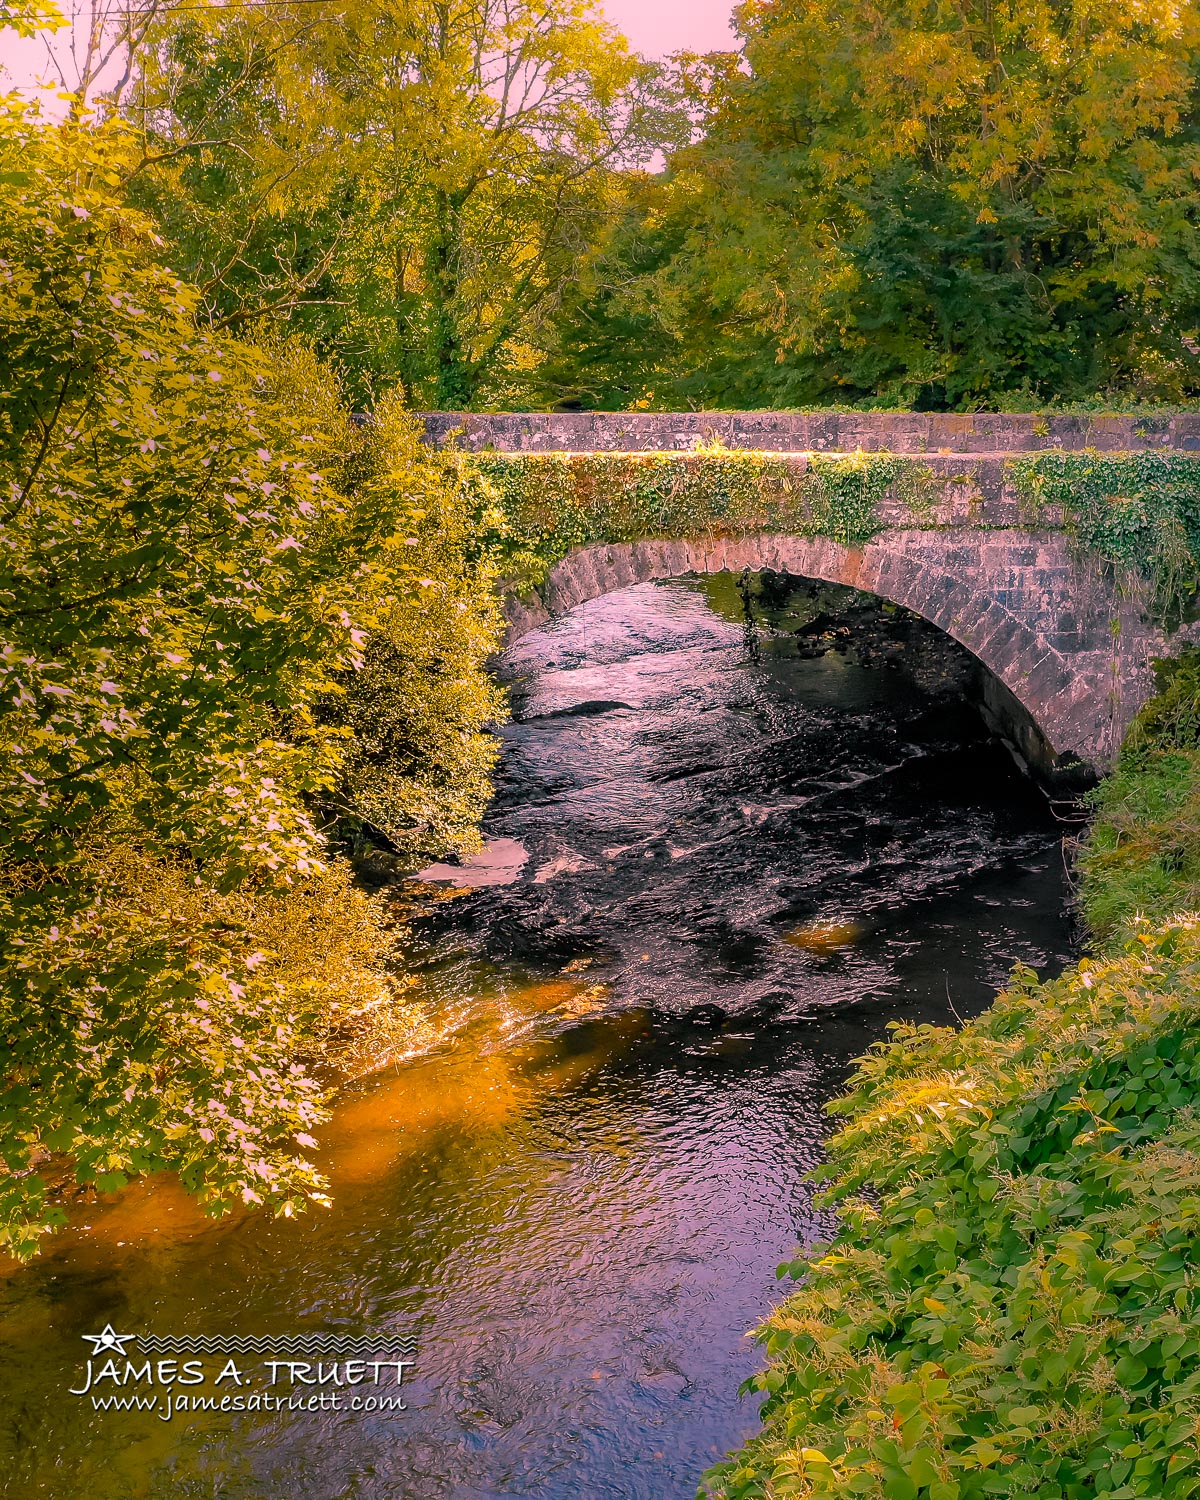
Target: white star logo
{"x": 108, "y": 1340}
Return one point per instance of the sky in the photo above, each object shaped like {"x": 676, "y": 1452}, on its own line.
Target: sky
{"x": 656, "y": 27}
{"x": 653, "y": 28}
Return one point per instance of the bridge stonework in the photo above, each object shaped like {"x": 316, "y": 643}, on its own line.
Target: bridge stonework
{"x": 809, "y": 432}
{"x": 1055, "y": 628}
{"x": 1046, "y": 623}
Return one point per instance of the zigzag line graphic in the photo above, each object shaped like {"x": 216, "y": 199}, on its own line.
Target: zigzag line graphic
{"x": 319, "y": 1344}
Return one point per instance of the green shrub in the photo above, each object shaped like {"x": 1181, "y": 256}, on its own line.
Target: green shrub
{"x": 1010, "y": 1306}
{"x": 1141, "y": 857}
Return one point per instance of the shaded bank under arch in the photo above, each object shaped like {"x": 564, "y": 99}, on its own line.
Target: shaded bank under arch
{"x": 1055, "y": 633}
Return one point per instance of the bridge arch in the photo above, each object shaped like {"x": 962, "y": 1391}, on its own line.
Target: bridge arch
{"x": 1050, "y": 626}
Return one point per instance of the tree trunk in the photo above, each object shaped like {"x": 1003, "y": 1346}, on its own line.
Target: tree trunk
{"x": 454, "y": 385}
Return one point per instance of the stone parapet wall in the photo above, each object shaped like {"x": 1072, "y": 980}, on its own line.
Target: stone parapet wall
{"x": 813, "y": 432}
{"x": 950, "y": 527}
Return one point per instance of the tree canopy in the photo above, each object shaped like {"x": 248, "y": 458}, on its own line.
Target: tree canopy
{"x": 940, "y": 204}
{"x": 416, "y": 183}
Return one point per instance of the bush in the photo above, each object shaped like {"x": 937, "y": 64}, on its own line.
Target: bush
{"x": 1141, "y": 858}
{"x": 1009, "y": 1306}
{"x": 199, "y": 554}
{"x": 417, "y": 768}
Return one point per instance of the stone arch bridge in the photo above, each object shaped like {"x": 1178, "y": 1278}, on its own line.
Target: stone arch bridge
{"x": 1067, "y": 645}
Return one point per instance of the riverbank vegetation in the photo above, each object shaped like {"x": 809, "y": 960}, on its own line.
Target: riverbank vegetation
{"x": 1008, "y": 1306}
{"x": 1141, "y": 860}
{"x": 237, "y": 631}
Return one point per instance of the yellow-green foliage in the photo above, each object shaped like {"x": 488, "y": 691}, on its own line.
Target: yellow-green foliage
{"x": 1141, "y": 857}
{"x": 320, "y": 948}
{"x": 1009, "y": 1307}
{"x": 198, "y": 556}
{"x": 416, "y": 706}
{"x": 555, "y": 501}
{"x": 937, "y": 199}
{"x": 418, "y": 219}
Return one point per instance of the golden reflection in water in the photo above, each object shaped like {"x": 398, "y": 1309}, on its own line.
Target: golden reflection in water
{"x": 398, "y": 1113}
{"x": 824, "y": 937}
{"x": 468, "y": 1077}
{"x": 150, "y": 1213}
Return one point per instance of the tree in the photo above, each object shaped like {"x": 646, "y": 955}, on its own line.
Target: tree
{"x": 28, "y": 17}
{"x": 944, "y": 204}
{"x": 198, "y": 549}
{"x": 608, "y": 346}
{"x": 239, "y": 168}
{"x": 426, "y": 177}
{"x": 417, "y": 768}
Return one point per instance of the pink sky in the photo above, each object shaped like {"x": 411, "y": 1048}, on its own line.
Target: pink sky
{"x": 656, "y": 27}
{"x": 653, "y": 28}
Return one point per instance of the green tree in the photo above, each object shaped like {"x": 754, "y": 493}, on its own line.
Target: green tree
{"x": 417, "y": 768}
{"x": 943, "y": 204}
{"x": 199, "y": 554}
{"x": 419, "y": 184}
{"x": 609, "y": 346}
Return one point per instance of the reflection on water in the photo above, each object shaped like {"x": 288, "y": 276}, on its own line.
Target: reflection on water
{"x": 500, "y": 863}
{"x": 738, "y": 860}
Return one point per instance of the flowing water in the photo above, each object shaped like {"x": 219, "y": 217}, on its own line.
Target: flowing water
{"x": 721, "y": 860}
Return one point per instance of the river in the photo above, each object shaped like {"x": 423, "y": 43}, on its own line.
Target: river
{"x": 722, "y": 859}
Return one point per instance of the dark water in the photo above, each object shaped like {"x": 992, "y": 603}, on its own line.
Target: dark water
{"x": 733, "y": 860}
